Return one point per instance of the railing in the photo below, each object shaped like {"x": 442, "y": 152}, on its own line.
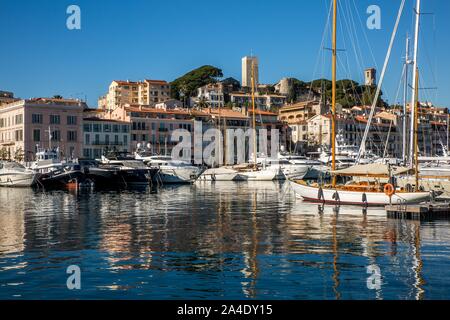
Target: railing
{"x": 106, "y": 143}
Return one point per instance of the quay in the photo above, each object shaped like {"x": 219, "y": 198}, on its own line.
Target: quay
{"x": 423, "y": 211}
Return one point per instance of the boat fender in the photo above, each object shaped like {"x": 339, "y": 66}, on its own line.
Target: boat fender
{"x": 389, "y": 189}
{"x": 336, "y": 196}
{"x": 320, "y": 195}
{"x": 364, "y": 198}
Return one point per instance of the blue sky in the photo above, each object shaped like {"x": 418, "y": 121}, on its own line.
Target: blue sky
{"x": 140, "y": 39}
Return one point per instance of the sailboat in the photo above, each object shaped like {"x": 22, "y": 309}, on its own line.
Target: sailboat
{"x": 254, "y": 171}
{"x": 257, "y": 171}
{"x": 379, "y": 187}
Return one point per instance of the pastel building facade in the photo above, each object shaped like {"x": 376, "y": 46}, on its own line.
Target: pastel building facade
{"x": 103, "y": 135}
{"x": 27, "y": 125}
{"x": 147, "y": 92}
{"x": 154, "y": 126}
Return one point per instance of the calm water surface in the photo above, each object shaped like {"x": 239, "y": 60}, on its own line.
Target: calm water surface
{"x": 213, "y": 241}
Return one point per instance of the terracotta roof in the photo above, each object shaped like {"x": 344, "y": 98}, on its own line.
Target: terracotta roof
{"x": 157, "y": 81}
{"x": 226, "y": 113}
{"x": 264, "y": 113}
{"x": 103, "y": 120}
{"x": 123, "y": 82}
{"x": 146, "y": 109}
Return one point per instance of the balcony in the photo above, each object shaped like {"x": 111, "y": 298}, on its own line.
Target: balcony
{"x": 105, "y": 143}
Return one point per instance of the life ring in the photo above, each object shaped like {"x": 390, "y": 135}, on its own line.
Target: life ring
{"x": 389, "y": 189}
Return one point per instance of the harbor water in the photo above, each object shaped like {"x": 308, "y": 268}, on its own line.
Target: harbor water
{"x": 214, "y": 241}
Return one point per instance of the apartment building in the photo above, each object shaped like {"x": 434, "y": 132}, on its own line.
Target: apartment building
{"x": 147, "y": 92}
{"x": 26, "y": 125}
{"x": 262, "y": 101}
{"x": 154, "y": 126}
{"x": 213, "y": 94}
{"x": 382, "y": 135}
{"x": 103, "y": 135}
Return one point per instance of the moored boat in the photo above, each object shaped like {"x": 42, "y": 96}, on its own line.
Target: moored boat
{"x": 13, "y": 174}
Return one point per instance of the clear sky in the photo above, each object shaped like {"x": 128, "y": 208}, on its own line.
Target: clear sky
{"x": 139, "y": 39}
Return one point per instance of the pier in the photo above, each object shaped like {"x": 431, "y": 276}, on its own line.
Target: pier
{"x": 424, "y": 211}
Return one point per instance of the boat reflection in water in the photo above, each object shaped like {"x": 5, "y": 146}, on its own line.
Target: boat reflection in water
{"x": 220, "y": 240}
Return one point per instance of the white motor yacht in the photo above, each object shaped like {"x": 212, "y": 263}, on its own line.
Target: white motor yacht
{"x": 13, "y": 174}
{"x": 170, "y": 170}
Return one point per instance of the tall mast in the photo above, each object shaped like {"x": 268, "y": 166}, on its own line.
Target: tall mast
{"x": 333, "y": 97}
{"x": 254, "y": 115}
{"x": 413, "y": 98}
{"x": 416, "y": 130}
{"x": 405, "y": 99}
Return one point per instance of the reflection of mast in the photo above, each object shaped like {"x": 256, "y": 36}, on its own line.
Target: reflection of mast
{"x": 335, "y": 259}
{"x": 251, "y": 260}
{"x": 418, "y": 264}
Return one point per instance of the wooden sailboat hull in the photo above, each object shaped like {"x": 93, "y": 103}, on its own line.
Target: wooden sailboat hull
{"x": 333, "y": 196}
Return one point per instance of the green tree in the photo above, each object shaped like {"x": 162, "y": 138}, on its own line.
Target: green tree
{"x": 191, "y": 81}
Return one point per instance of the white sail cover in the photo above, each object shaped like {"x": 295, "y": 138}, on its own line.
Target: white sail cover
{"x": 373, "y": 169}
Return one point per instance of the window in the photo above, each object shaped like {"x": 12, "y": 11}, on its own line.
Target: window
{"x": 19, "y": 119}
{"x": 36, "y": 135}
{"x": 87, "y": 139}
{"x": 125, "y": 140}
{"x": 19, "y": 135}
{"x": 134, "y": 137}
{"x": 116, "y": 139}
{"x": 71, "y": 136}
{"x": 153, "y": 126}
{"x": 55, "y": 119}
{"x": 87, "y": 127}
{"x": 97, "y": 127}
{"x": 71, "y": 120}
{"x": 36, "y": 118}
{"x": 107, "y": 139}
{"x": 115, "y": 128}
{"x": 106, "y": 128}
{"x": 125, "y": 128}
{"x": 87, "y": 153}
{"x": 97, "y": 139}
{"x": 56, "y": 135}
{"x": 97, "y": 153}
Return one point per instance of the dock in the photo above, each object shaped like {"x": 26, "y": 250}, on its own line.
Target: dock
{"x": 423, "y": 211}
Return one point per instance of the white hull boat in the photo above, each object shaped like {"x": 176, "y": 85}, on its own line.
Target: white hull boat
{"x": 344, "y": 197}
{"x": 14, "y": 175}
{"x": 221, "y": 174}
{"x": 175, "y": 175}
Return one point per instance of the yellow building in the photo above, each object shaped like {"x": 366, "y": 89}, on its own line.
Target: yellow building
{"x": 147, "y": 92}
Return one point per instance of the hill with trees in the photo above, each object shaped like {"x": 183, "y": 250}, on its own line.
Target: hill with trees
{"x": 348, "y": 92}
{"x": 191, "y": 81}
